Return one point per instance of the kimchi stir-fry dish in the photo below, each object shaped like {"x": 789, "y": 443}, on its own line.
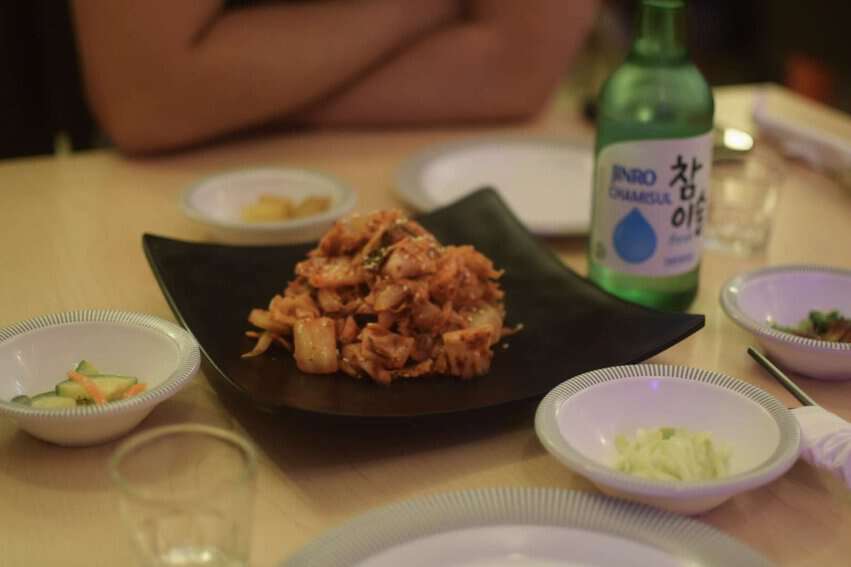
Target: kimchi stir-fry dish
{"x": 381, "y": 297}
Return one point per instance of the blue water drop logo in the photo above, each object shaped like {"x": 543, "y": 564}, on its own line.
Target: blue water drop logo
{"x": 634, "y": 238}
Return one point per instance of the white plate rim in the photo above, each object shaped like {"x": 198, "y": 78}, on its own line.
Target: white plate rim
{"x": 394, "y": 524}
{"x": 346, "y": 204}
{"x": 187, "y": 365}
{"x": 784, "y": 456}
{"x": 729, "y": 298}
{"x": 409, "y": 190}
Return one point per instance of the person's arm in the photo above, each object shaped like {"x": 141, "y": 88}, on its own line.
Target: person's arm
{"x": 501, "y": 63}
{"x": 162, "y": 74}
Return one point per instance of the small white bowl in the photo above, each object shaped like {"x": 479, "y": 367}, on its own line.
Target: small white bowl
{"x": 218, "y": 201}
{"x": 36, "y": 354}
{"x": 579, "y": 420}
{"x": 785, "y": 295}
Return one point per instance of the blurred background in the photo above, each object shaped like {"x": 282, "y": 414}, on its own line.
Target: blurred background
{"x": 802, "y": 45}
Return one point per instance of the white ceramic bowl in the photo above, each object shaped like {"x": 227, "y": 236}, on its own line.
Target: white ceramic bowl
{"x": 217, "y": 202}
{"x": 36, "y": 354}
{"x": 785, "y": 295}
{"x": 579, "y": 420}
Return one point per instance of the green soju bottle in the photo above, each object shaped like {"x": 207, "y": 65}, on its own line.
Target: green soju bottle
{"x": 651, "y": 177}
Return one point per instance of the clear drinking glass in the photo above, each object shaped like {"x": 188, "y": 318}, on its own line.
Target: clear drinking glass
{"x": 187, "y": 493}
{"x": 742, "y": 201}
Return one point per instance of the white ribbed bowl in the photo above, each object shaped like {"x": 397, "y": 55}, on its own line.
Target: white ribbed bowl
{"x": 218, "y": 200}
{"x": 579, "y": 420}
{"x": 36, "y": 354}
{"x": 785, "y": 295}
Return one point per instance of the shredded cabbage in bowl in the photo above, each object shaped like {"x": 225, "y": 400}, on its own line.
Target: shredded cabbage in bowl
{"x": 672, "y": 453}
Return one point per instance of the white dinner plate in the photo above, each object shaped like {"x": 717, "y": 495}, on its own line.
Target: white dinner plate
{"x": 528, "y": 527}
{"x": 545, "y": 181}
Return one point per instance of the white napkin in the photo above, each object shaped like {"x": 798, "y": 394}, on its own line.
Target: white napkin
{"x": 822, "y": 150}
{"x": 825, "y": 440}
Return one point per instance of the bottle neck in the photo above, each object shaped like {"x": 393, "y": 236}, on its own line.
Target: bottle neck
{"x": 660, "y": 32}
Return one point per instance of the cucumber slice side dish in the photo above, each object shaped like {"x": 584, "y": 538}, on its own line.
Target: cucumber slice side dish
{"x": 68, "y": 393}
{"x": 49, "y": 400}
{"x": 87, "y": 368}
{"x": 113, "y": 387}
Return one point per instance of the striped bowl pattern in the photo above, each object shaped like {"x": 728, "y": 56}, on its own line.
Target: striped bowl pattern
{"x": 779, "y": 462}
{"x": 729, "y": 302}
{"x": 697, "y": 544}
{"x": 189, "y": 360}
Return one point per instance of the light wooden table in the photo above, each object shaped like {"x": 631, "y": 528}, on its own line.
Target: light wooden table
{"x": 70, "y": 238}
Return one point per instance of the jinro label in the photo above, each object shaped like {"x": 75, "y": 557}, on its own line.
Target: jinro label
{"x": 651, "y": 202}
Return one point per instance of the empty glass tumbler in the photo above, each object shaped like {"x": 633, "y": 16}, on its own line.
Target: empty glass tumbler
{"x": 745, "y": 191}
{"x": 186, "y": 494}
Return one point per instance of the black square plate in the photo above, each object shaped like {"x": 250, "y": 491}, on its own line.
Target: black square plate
{"x": 570, "y": 326}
